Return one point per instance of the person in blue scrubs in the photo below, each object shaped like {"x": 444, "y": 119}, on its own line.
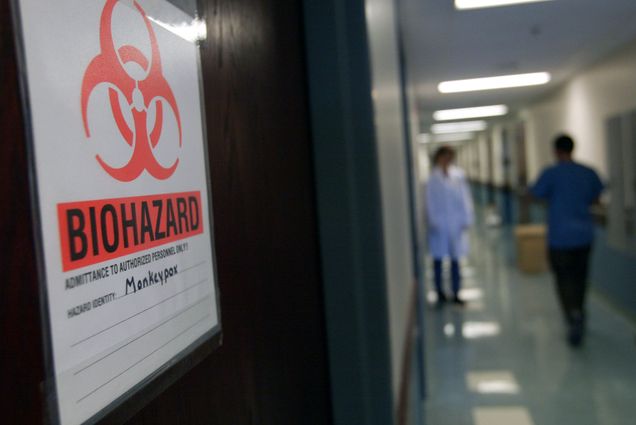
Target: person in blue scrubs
{"x": 449, "y": 214}
{"x": 570, "y": 189}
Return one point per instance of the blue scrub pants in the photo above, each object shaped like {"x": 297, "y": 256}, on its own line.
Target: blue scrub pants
{"x": 570, "y": 267}
{"x": 455, "y": 275}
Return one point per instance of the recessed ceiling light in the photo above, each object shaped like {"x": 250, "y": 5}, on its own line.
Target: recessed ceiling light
{"x": 465, "y": 113}
{"x": 459, "y": 127}
{"x": 492, "y": 83}
{"x": 426, "y": 138}
{"x": 453, "y": 137}
{"x": 478, "y": 4}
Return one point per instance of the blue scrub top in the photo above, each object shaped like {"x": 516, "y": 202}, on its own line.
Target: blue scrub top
{"x": 570, "y": 189}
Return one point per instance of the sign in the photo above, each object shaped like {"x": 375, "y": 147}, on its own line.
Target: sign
{"x": 121, "y": 185}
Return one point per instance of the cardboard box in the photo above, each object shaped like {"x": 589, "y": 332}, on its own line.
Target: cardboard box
{"x": 532, "y": 255}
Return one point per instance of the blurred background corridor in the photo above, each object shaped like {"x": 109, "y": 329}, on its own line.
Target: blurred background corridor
{"x": 497, "y": 81}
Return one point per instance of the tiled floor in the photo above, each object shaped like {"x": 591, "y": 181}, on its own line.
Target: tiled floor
{"x": 502, "y": 359}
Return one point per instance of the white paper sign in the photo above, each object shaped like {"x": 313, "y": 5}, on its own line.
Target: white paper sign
{"x": 122, "y": 189}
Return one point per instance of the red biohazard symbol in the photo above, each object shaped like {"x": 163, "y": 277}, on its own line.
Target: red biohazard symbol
{"x": 108, "y": 67}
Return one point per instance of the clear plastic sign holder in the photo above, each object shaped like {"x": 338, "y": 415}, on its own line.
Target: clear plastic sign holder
{"x": 131, "y": 401}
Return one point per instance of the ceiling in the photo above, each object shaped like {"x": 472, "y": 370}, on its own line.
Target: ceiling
{"x": 559, "y": 36}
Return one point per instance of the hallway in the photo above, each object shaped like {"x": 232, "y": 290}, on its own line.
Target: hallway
{"x": 502, "y": 359}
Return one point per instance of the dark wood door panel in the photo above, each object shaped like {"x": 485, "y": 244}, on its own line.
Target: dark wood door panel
{"x": 21, "y": 364}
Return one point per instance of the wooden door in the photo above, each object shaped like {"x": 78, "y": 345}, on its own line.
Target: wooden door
{"x": 272, "y": 366}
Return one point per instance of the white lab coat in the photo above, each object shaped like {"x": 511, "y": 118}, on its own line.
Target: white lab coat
{"x": 449, "y": 211}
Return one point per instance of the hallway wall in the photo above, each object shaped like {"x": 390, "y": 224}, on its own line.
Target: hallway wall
{"x": 581, "y": 108}
{"x": 482, "y": 156}
{"x": 382, "y": 33}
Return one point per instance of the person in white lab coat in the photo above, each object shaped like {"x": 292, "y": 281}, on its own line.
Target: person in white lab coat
{"x": 449, "y": 214}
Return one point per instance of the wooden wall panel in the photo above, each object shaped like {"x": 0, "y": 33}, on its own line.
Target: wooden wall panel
{"x": 272, "y": 367}
{"x": 21, "y": 364}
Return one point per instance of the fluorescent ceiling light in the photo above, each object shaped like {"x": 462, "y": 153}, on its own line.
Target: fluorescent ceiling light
{"x": 452, "y": 137}
{"x": 444, "y": 138}
{"x": 492, "y": 83}
{"x": 478, "y": 4}
{"x": 459, "y": 127}
{"x": 465, "y": 113}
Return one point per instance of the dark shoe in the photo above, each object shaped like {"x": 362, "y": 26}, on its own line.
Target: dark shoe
{"x": 441, "y": 298}
{"x": 576, "y": 333}
{"x": 458, "y": 301}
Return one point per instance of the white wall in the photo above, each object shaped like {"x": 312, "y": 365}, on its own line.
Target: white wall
{"x": 473, "y": 160}
{"x": 497, "y": 154}
{"x": 424, "y": 163}
{"x": 393, "y": 173}
{"x": 580, "y": 108}
{"x": 482, "y": 148}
